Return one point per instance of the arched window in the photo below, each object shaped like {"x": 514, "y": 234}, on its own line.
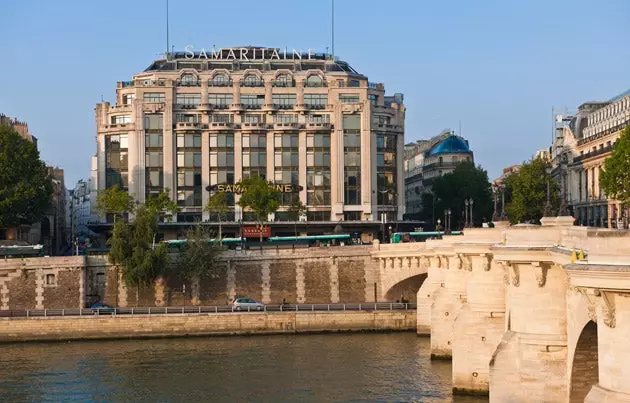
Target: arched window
{"x": 251, "y": 80}
{"x": 220, "y": 80}
{"x": 314, "y": 81}
{"x": 188, "y": 80}
{"x": 283, "y": 80}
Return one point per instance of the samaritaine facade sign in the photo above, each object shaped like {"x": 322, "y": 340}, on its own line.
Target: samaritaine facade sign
{"x": 248, "y": 54}
{"x": 238, "y": 188}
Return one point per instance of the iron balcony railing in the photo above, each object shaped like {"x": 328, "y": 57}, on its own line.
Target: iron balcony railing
{"x": 204, "y": 310}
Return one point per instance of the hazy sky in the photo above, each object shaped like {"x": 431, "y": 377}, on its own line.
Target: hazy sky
{"x": 498, "y": 66}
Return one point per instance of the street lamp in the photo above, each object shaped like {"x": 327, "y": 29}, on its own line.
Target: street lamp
{"x": 447, "y": 221}
{"x": 468, "y": 202}
{"x": 495, "y": 191}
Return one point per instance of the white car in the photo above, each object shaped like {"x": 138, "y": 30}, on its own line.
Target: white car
{"x": 247, "y": 304}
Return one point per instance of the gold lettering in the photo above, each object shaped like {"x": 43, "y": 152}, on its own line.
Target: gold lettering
{"x": 287, "y": 188}
{"x": 220, "y": 188}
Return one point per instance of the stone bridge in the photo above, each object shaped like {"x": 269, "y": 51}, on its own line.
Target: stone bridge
{"x": 522, "y": 317}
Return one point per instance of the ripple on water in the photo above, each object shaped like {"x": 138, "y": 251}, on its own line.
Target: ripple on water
{"x": 307, "y": 368}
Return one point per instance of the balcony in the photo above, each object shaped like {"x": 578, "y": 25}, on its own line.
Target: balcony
{"x": 284, "y": 106}
{"x": 189, "y": 126}
{"x": 315, "y": 106}
{"x": 252, "y": 106}
{"x": 442, "y": 165}
{"x": 150, "y": 83}
{"x": 220, "y": 83}
{"x": 118, "y": 127}
{"x": 125, "y": 84}
{"x": 252, "y": 126}
{"x": 186, "y": 106}
{"x": 315, "y": 85}
{"x": 592, "y": 154}
{"x": 188, "y": 83}
{"x": 236, "y": 107}
{"x": 153, "y": 107}
{"x": 314, "y": 126}
{"x": 283, "y": 84}
{"x": 601, "y": 134}
{"x": 220, "y": 126}
{"x": 376, "y": 86}
{"x": 120, "y": 108}
{"x": 287, "y": 126}
{"x": 252, "y": 83}
{"x": 388, "y": 128}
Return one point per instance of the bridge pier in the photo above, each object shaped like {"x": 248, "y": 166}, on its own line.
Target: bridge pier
{"x": 480, "y": 325}
{"x": 449, "y": 299}
{"x": 529, "y": 364}
{"x": 426, "y": 294}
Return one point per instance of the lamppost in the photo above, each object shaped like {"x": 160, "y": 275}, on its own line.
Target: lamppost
{"x": 390, "y": 234}
{"x": 447, "y": 221}
{"x": 495, "y": 191}
{"x": 468, "y": 202}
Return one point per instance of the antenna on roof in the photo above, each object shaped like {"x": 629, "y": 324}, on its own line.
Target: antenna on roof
{"x": 168, "y": 47}
{"x": 333, "y": 30}
{"x": 460, "y": 128}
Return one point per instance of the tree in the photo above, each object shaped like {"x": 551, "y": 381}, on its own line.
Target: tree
{"x": 615, "y": 179}
{"x": 162, "y": 204}
{"x": 114, "y": 201}
{"x": 260, "y": 197}
{"x": 198, "y": 258}
{"x": 450, "y": 191}
{"x": 218, "y": 205}
{"x": 132, "y": 248}
{"x": 25, "y": 184}
{"x": 528, "y": 188}
{"x": 296, "y": 210}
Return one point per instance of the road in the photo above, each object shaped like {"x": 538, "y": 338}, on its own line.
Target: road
{"x": 223, "y": 309}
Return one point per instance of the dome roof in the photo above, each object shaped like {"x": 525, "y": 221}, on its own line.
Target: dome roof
{"x": 450, "y": 145}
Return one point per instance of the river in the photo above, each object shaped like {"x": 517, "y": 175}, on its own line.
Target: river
{"x": 383, "y": 367}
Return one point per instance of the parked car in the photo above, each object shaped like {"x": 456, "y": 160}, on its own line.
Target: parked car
{"x": 244, "y": 304}
{"x": 100, "y": 308}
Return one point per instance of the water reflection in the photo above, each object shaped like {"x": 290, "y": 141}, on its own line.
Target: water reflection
{"x": 315, "y": 368}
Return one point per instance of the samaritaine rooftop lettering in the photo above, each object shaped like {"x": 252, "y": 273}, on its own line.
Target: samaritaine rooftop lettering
{"x": 248, "y": 53}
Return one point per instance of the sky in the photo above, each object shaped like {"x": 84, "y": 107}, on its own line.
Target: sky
{"x": 497, "y": 68}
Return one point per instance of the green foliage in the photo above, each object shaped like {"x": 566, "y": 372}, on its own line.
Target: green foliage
{"x": 218, "y": 205}
{"x": 615, "y": 179}
{"x": 528, "y": 188}
{"x": 133, "y": 248}
{"x": 260, "y": 197}
{"x": 450, "y": 191}
{"x": 25, "y": 185}
{"x": 199, "y": 258}
{"x": 114, "y": 201}
{"x": 162, "y": 204}
{"x": 297, "y": 209}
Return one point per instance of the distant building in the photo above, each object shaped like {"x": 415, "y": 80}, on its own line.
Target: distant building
{"x": 18, "y": 126}
{"x": 53, "y": 233}
{"x": 426, "y": 160}
{"x": 582, "y": 143}
{"x": 80, "y": 213}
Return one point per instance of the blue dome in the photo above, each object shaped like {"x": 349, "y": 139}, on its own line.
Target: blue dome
{"x": 450, "y": 145}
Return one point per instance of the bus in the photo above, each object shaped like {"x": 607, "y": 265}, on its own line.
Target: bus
{"x": 399, "y": 237}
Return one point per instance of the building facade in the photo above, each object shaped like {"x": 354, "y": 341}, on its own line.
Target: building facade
{"x": 582, "y": 143}
{"x": 194, "y": 121}
{"x": 80, "y": 212}
{"x": 426, "y": 160}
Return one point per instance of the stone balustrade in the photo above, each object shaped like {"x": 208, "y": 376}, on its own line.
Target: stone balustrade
{"x": 522, "y": 320}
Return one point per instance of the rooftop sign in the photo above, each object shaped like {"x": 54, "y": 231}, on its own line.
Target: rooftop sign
{"x": 249, "y": 54}
{"x": 238, "y": 188}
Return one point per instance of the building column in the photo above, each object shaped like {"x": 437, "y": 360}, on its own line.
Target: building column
{"x": 480, "y": 325}
{"x": 529, "y": 364}
{"x": 302, "y": 165}
{"x": 368, "y": 167}
{"x": 205, "y": 172}
{"x": 238, "y": 172}
{"x": 447, "y": 304}
{"x": 169, "y": 149}
{"x": 400, "y": 180}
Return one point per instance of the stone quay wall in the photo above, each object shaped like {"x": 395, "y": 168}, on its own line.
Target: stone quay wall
{"x": 314, "y": 275}
{"x": 174, "y": 325}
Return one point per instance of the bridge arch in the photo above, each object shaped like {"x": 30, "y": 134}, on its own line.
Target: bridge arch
{"x": 406, "y": 288}
{"x": 585, "y": 368}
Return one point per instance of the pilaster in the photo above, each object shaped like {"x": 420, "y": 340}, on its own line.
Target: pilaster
{"x": 334, "y": 280}
{"x": 266, "y": 282}
{"x": 300, "y": 282}
{"x": 231, "y": 281}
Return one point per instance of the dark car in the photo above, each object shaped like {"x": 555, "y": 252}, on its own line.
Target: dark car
{"x": 100, "y": 308}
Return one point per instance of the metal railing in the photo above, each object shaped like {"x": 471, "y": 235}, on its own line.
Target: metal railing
{"x": 203, "y": 310}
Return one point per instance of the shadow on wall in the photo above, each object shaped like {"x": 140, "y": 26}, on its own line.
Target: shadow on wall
{"x": 585, "y": 371}
{"x": 407, "y": 289}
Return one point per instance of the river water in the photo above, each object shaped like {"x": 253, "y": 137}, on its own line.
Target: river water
{"x": 391, "y": 367}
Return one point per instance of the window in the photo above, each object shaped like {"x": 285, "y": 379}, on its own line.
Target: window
{"x": 220, "y": 80}
{"x": 316, "y": 101}
{"x": 187, "y": 118}
{"x": 51, "y": 279}
{"x": 188, "y": 100}
{"x": 283, "y": 80}
{"x": 154, "y": 97}
{"x": 189, "y": 140}
{"x": 220, "y": 101}
{"x": 380, "y": 120}
{"x": 283, "y": 101}
{"x": 251, "y": 80}
{"x": 318, "y": 215}
{"x": 349, "y": 98}
{"x": 286, "y": 163}
{"x": 318, "y": 169}
{"x": 121, "y": 119}
{"x": 127, "y": 99}
{"x": 324, "y": 118}
{"x": 116, "y": 160}
{"x": 188, "y": 159}
{"x": 314, "y": 81}
{"x": 285, "y": 118}
{"x": 189, "y": 197}
{"x": 222, "y": 118}
{"x": 153, "y": 140}
{"x": 373, "y": 99}
{"x": 189, "y": 80}
{"x": 352, "y": 158}
{"x": 253, "y": 118}
{"x": 254, "y": 155}
{"x": 354, "y": 83}
{"x": 154, "y": 159}
{"x": 155, "y": 179}
{"x": 253, "y": 101}
{"x": 153, "y": 122}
